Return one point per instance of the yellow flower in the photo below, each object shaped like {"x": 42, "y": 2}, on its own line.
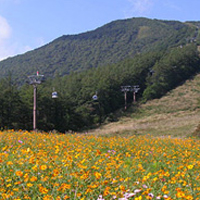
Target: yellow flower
{"x": 26, "y": 177}
{"x": 97, "y": 175}
{"x": 121, "y": 187}
{"x": 34, "y": 168}
{"x": 29, "y": 184}
{"x": 190, "y": 166}
{"x": 138, "y": 198}
{"x": 43, "y": 167}
{"x": 180, "y": 194}
{"x": 9, "y": 185}
{"x": 88, "y": 190}
{"x": 18, "y": 183}
{"x": 64, "y": 186}
{"x": 9, "y": 163}
{"x": 84, "y": 176}
{"x": 189, "y": 197}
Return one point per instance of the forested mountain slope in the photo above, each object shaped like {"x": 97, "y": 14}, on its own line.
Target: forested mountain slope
{"x": 108, "y": 44}
{"x": 156, "y": 73}
{"x": 156, "y": 55}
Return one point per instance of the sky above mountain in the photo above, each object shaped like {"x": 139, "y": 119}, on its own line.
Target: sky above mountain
{"x": 29, "y": 24}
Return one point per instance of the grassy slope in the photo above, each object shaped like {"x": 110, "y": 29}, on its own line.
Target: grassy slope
{"x": 176, "y": 114}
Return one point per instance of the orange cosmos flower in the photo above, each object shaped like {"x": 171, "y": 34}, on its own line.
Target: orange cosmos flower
{"x": 97, "y": 175}
{"x": 55, "y": 172}
{"x": 47, "y": 197}
{"x": 106, "y": 191}
{"x": 43, "y": 190}
{"x": 33, "y": 179}
{"x": 180, "y": 194}
{"x": 19, "y": 173}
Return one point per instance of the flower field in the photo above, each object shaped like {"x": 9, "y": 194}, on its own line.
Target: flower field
{"x": 54, "y": 166}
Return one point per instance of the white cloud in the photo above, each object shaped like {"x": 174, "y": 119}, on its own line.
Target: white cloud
{"x": 40, "y": 41}
{"x": 5, "y": 29}
{"x": 5, "y": 33}
{"x": 8, "y": 47}
{"x": 139, "y": 7}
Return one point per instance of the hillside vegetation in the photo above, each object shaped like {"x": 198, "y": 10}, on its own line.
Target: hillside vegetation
{"x": 176, "y": 114}
{"x": 162, "y": 62}
{"x": 108, "y": 44}
{"x": 76, "y": 110}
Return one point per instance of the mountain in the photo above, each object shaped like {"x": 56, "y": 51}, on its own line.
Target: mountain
{"x": 108, "y": 44}
{"x": 154, "y": 55}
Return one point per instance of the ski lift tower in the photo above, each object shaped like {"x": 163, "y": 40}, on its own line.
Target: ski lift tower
{"x": 125, "y": 89}
{"x": 135, "y": 90}
{"x": 35, "y": 80}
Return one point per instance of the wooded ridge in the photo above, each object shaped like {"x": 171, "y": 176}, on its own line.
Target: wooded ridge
{"x": 157, "y": 55}
{"x": 108, "y": 44}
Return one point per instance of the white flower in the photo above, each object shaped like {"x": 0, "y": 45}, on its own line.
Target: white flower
{"x": 137, "y": 190}
{"x": 150, "y": 195}
{"x": 145, "y": 186}
{"x": 100, "y": 197}
{"x": 128, "y": 195}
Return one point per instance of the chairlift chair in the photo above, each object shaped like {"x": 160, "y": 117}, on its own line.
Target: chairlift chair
{"x": 54, "y": 95}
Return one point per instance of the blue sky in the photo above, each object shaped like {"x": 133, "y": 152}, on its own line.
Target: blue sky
{"x": 29, "y": 24}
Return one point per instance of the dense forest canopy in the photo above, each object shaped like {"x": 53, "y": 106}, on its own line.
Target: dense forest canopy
{"x": 156, "y": 55}
{"x": 108, "y": 44}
